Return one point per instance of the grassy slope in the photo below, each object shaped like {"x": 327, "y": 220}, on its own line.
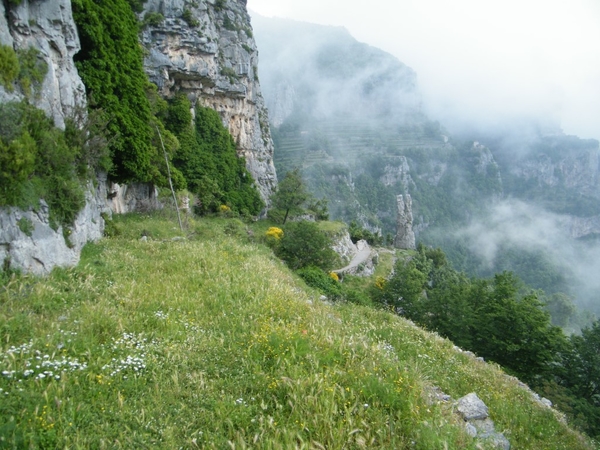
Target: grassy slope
{"x": 210, "y": 342}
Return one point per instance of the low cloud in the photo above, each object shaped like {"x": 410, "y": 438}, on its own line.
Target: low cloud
{"x": 521, "y": 225}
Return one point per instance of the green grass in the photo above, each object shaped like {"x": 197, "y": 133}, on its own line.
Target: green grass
{"x": 208, "y": 341}
{"x": 332, "y": 228}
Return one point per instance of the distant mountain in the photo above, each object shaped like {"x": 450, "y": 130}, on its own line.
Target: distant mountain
{"x": 323, "y": 72}
{"x": 351, "y": 117}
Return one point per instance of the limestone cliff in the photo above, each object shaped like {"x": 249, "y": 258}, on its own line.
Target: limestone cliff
{"x": 49, "y": 27}
{"x": 206, "y": 50}
{"x": 27, "y": 240}
{"x": 564, "y": 162}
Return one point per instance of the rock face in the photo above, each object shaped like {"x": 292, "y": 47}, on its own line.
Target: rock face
{"x": 282, "y": 102}
{"x": 576, "y": 167}
{"x": 584, "y": 226}
{"x": 47, "y": 26}
{"x": 28, "y": 243}
{"x": 405, "y": 236}
{"x": 206, "y": 50}
{"x": 138, "y": 197}
{"x": 344, "y": 247}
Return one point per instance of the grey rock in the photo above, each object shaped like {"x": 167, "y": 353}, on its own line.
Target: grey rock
{"x": 498, "y": 440}
{"x": 484, "y": 427}
{"x": 44, "y": 248}
{"x": 215, "y": 67}
{"x": 398, "y": 173}
{"x": 5, "y": 37}
{"x": 405, "y": 236}
{"x": 471, "y": 407}
{"x": 49, "y": 27}
{"x": 134, "y": 197}
{"x": 344, "y": 247}
{"x": 471, "y": 430}
{"x": 578, "y": 227}
{"x": 478, "y": 424}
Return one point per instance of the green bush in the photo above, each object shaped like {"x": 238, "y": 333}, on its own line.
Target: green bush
{"x": 111, "y": 228}
{"x": 153, "y": 19}
{"x": 358, "y": 233}
{"x": 17, "y": 163}
{"x": 37, "y": 161}
{"x": 32, "y": 70}
{"x": 317, "y": 278}
{"x": 209, "y": 162}
{"x": 303, "y": 244}
{"x": 9, "y": 67}
{"x": 189, "y": 18}
{"x": 110, "y": 65}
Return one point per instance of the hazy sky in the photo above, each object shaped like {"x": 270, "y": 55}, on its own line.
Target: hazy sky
{"x": 481, "y": 60}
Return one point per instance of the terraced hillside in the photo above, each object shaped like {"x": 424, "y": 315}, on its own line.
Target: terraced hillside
{"x": 342, "y": 141}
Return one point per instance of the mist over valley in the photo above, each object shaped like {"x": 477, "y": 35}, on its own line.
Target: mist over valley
{"x": 519, "y": 195}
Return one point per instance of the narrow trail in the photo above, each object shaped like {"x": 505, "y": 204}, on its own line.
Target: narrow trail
{"x": 364, "y": 251}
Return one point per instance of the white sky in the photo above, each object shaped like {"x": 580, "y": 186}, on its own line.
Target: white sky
{"x": 481, "y": 60}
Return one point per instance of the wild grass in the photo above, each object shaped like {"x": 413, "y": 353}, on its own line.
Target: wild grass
{"x": 206, "y": 340}
{"x": 332, "y": 228}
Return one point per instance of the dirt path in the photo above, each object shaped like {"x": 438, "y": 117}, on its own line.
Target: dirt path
{"x": 364, "y": 251}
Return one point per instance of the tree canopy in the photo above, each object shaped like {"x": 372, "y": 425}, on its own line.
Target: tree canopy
{"x": 291, "y": 194}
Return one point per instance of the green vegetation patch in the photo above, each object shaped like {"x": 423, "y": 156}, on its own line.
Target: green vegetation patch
{"x": 9, "y": 66}
{"x": 24, "y": 66}
{"x": 210, "y": 342}
{"x": 40, "y": 161}
{"x": 110, "y": 65}
{"x": 209, "y": 162}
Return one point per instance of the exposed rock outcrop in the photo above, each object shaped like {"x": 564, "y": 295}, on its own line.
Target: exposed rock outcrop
{"x": 574, "y": 168}
{"x": 30, "y": 244}
{"x": 282, "y": 103}
{"x": 138, "y": 197}
{"x": 476, "y": 418}
{"x": 584, "y": 226}
{"x": 344, "y": 247}
{"x": 475, "y": 413}
{"x": 47, "y": 26}
{"x": 405, "y": 236}
{"x": 27, "y": 240}
{"x": 398, "y": 173}
{"x": 206, "y": 50}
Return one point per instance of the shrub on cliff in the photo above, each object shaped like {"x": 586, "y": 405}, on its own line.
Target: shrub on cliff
{"x": 110, "y": 65}
{"x": 209, "y": 162}
{"x": 317, "y": 278}
{"x": 38, "y": 160}
{"x": 9, "y": 67}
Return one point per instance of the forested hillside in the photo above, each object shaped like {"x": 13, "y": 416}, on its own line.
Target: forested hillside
{"x": 484, "y": 197}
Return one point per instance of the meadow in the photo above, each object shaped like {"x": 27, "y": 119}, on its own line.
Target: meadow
{"x": 204, "y": 339}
